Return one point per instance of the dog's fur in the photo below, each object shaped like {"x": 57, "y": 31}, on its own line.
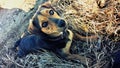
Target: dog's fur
{"x": 116, "y": 58}
{"x": 47, "y": 30}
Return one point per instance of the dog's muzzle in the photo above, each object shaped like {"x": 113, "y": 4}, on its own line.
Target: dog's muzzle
{"x": 59, "y": 22}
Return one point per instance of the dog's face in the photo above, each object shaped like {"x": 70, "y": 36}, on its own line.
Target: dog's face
{"x": 50, "y": 22}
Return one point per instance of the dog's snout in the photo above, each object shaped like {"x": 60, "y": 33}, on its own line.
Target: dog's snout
{"x": 61, "y": 23}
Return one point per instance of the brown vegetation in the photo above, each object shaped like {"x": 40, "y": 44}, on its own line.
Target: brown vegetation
{"x": 99, "y": 18}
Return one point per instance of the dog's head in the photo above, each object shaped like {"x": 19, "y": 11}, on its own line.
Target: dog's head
{"x": 47, "y": 21}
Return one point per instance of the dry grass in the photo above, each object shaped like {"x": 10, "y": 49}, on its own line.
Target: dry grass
{"x": 86, "y": 18}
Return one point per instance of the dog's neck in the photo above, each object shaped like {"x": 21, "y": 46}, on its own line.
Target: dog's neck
{"x": 61, "y": 37}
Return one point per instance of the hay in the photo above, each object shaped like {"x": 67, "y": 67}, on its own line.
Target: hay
{"x": 83, "y": 17}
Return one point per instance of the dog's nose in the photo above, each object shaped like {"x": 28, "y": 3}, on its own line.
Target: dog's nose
{"x": 61, "y": 23}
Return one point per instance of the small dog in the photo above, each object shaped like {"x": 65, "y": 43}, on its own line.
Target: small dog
{"x": 47, "y": 30}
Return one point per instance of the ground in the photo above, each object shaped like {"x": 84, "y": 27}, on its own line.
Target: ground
{"x": 81, "y": 16}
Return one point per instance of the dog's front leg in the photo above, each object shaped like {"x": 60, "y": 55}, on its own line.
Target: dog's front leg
{"x": 67, "y": 53}
{"x": 66, "y": 49}
{"x": 64, "y": 52}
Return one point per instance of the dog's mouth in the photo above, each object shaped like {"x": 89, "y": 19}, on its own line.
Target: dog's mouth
{"x": 59, "y": 32}
{"x": 56, "y": 34}
{"x": 59, "y": 37}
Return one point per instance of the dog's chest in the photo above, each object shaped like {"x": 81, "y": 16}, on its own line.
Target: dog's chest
{"x": 56, "y": 44}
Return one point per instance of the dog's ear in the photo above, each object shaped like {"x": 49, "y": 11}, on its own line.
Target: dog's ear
{"x": 32, "y": 27}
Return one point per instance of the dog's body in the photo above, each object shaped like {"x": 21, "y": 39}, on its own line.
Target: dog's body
{"x": 116, "y": 57}
{"x": 33, "y": 43}
{"x": 47, "y": 30}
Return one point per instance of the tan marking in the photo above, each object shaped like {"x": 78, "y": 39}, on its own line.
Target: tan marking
{"x": 70, "y": 56}
{"x": 52, "y": 28}
{"x": 67, "y": 48}
{"x": 45, "y": 12}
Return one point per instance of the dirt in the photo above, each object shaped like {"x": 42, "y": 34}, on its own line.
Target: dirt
{"x": 13, "y": 22}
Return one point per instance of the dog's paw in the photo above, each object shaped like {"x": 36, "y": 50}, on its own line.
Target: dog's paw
{"x": 25, "y": 5}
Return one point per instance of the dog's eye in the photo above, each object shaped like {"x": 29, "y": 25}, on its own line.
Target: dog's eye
{"x": 45, "y": 24}
{"x": 51, "y": 12}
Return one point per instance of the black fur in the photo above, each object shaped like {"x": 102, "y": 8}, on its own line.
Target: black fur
{"x": 116, "y": 58}
{"x": 36, "y": 23}
{"x": 33, "y": 43}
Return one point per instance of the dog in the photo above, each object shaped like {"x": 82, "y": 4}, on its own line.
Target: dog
{"x": 47, "y": 30}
